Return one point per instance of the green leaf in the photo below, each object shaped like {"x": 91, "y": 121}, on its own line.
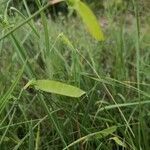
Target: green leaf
{"x": 105, "y": 132}
{"x": 89, "y": 19}
{"x": 118, "y": 141}
{"x": 57, "y": 88}
{"x": 92, "y": 136}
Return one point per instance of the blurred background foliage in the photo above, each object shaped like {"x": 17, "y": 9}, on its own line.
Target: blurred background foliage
{"x": 96, "y": 5}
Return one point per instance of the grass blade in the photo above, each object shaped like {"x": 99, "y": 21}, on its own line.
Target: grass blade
{"x": 95, "y": 135}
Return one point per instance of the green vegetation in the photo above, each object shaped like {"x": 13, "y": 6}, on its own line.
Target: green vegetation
{"x": 105, "y": 100}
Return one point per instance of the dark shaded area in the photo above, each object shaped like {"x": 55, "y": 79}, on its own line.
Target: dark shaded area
{"x": 53, "y": 11}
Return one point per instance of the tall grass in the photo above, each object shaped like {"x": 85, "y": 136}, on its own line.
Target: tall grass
{"x": 114, "y": 113}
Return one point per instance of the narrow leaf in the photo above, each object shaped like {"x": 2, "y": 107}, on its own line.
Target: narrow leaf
{"x": 105, "y": 132}
{"x": 58, "y": 88}
{"x": 118, "y": 141}
{"x": 89, "y": 19}
{"x": 95, "y": 135}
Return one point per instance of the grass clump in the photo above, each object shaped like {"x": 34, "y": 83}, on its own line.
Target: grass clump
{"x": 114, "y": 112}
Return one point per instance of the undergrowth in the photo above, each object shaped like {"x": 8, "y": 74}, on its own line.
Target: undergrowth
{"x": 114, "y": 73}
